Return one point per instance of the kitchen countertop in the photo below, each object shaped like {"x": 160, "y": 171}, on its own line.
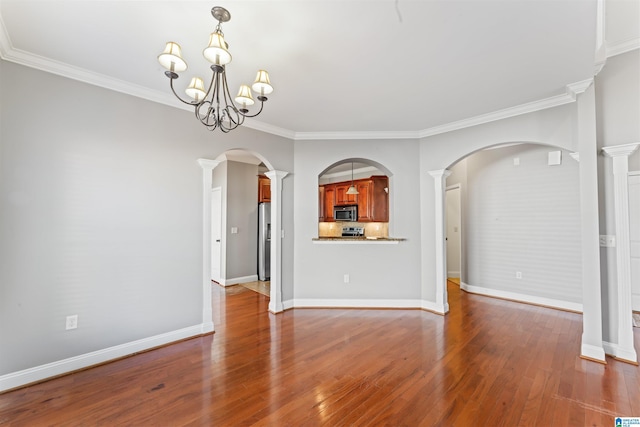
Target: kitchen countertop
{"x": 347, "y": 239}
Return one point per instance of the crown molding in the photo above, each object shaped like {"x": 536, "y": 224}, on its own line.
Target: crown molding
{"x": 625, "y": 46}
{"x": 566, "y": 98}
{"x": 302, "y": 136}
{"x": 9, "y": 53}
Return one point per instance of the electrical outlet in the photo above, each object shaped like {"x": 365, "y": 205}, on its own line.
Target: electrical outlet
{"x": 518, "y": 275}
{"x": 72, "y": 322}
{"x": 346, "y": 278}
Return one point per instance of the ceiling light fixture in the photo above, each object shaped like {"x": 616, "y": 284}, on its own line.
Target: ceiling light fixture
{"x": 352, "y": 189}
{"x": 214, "y": 106}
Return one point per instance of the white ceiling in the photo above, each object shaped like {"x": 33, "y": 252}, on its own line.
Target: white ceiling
{"x": 340, "y": 67}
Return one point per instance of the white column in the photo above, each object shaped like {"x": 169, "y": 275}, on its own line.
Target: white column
{"x": 585, "y": 135}
{"x": 624, "y": 348}
{"x": 275, "y": 301}
{"x": 207, "y": 178}
{"x": 440, "y": 180}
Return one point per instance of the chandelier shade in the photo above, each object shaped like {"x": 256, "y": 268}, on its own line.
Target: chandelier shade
{"x": 262, "y": 85}
{"x": 217, "y": 52}
{"x": 213, "y": 105}
{"x": 171, "y": 58}
{"x": 196, "y": 89}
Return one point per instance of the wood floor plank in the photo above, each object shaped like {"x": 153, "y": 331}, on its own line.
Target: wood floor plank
{"x": 487, "y": 362}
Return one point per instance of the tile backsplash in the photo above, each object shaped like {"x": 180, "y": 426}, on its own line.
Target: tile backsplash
{"x": 371, "y": 229}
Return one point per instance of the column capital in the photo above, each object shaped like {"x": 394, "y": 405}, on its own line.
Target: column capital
{"x": 208, "y": 164}
{"x": 274, "y": 174}
{"x": 620, "y": 150}
{"x": 440, "y": 173}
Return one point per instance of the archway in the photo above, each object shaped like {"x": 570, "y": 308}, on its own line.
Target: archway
{"x": 521, "y": 204}
{"x": 207, "y": 165}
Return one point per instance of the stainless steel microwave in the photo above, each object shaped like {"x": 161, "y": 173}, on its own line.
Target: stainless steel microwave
{"x": 345, "y": 213}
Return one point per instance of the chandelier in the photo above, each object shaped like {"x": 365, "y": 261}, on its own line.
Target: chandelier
{"x": 214, "y": 107}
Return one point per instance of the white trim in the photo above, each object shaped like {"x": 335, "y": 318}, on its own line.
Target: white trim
{"x": 9, "y": 53}
{"x": 236, "y": 280}
{"x": 619, "y": 352}
{"x": 529, "y": 299}
{"x": 311, "y": 136}
{"x": 592, "y": 352}
{"x": 60, "y": 367}
{"x": 517, "y": 110}
{"x": 207, "y": 166}
{"x": 358, "y": 171}
{"x": 622, "y": 47}
{"x": 455, "y": 274}
{"x": 365, "y": 303}
{"x": 624, "y": 347}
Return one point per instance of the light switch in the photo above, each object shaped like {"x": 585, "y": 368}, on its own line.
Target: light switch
{"x": 234, "y": 230}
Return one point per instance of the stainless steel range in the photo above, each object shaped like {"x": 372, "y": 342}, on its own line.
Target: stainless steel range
{"x": 352, "y": 231}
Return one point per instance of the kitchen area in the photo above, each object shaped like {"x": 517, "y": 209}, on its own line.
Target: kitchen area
{"x": 356, "y": 208}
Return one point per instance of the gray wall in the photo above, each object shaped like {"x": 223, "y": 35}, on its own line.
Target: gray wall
{"x": 242, "y": 213}
{"x": 525, "y": 219}
{"x": 101, "y": 216}
{"x": 377, "y": 272}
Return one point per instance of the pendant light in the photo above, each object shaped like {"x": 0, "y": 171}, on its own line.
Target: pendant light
{"x": 352, "y": 189}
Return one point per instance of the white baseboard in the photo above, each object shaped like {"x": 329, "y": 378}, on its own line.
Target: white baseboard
{"x": 453, "y": 274}
{"x": 366, "y": 303}
{"x": 286, "y": 305}
{"x": 49, "y": 370}
{"x": 592, "y": 352}
{"x": 530, "y": 299}
{"x": 236, "y": 280}
{"x": 618, "y": 352}
{"x": 356, "y": 303}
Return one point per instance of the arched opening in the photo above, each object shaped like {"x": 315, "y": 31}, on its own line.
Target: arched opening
{"x": 354, "y": 199}
{"x": 233, "y": 254}
{"x": 519, "y": 224}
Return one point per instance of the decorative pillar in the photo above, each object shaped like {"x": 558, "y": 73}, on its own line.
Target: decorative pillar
{"x": 207, "y": 179}
{"x": 585, "y": 141}
{"x": 624, "y": 348}
{"x": 439, "y": 180}
{"x": 275, "y": 302}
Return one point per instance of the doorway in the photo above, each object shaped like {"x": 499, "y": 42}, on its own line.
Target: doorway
{"x": 216, "y": 233}
{"x": 453, "y": 233}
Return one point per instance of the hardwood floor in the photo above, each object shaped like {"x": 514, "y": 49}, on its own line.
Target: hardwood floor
{"x": 487, "y": 363}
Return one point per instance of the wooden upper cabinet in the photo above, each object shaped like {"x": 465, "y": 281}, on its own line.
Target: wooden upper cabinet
{"x": 372, "y": 199}
{"x": 364, "y": 200}
{"x": 329, "y": 201}
{"x": 264, "y": 189}
{"x": 379, "y": 198}
{"x": 342, "y": 198}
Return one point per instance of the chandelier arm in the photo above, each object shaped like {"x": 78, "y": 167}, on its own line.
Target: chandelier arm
{"x": 253, "y": 115}
{"x": 194, "y": 103}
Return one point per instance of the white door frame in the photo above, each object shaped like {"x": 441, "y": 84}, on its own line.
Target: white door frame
{"x": 449, "y": 189}
{"x": 216, "y": 195}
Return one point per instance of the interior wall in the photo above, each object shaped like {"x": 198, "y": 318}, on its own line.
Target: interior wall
{"x": 242, "y": 215}
{"x": 101, "y": 216}
{"x": 524, "y": 218}
{"x": 618, "y": 110}
{"x": 377, "y": 271}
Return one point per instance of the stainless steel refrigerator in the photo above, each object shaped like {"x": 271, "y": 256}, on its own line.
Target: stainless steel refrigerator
{"x": 264, "y": 241}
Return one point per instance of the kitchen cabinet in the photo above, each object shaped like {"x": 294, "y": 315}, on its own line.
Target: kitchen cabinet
{"x": 342, "y": 198}
{"x": 264, "y": 189}
{"x": 321, "y": 212}
{"x": 329, "y": 201}
{"x": 378, "y": 195}
{"x": 372, "y": 199}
